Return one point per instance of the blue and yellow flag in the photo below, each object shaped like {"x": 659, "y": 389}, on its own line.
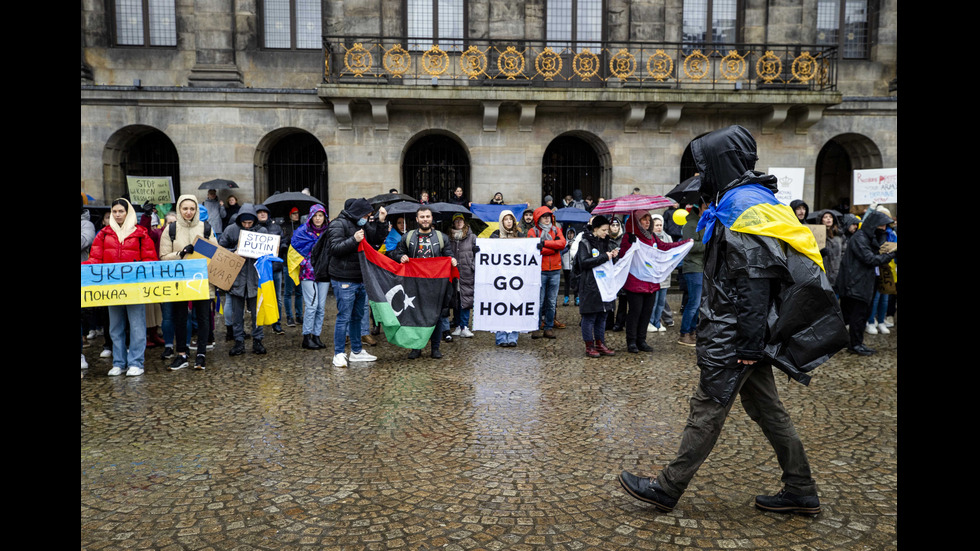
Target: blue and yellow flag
{"x": 266, "y": 305}
{"x": 754, "y": 209}
{"x": 293, "y": 261}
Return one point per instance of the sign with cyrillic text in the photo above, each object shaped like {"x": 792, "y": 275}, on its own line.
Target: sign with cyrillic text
{"x": 507, "y": 285}
{"x": 254, "y": 244}
{"x": 116, "y": 284}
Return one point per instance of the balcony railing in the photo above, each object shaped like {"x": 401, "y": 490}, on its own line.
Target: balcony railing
{"x": 399, "y": 60}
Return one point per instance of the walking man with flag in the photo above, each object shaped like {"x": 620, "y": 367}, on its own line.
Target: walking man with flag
{"x": 426, "y": 242}
{"x": 344, "y": 235}
{"x": 767, "y": 302}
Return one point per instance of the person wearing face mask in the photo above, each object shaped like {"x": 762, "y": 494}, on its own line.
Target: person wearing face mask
{"x": 344, "y": 235}
{"x": 594, "y": 249}
{"x": 244, "y": 291}
{"x": 123, "y": 240}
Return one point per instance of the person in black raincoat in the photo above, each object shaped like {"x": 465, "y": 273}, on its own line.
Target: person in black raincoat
{"x": 765, "y": 304}
{"x": 856, "y": 278}
{"x": 244, "y": 291}
{"x": 595, "y": 249}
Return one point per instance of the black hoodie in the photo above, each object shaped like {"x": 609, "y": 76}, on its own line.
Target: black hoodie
{"x": 856, "y": 278}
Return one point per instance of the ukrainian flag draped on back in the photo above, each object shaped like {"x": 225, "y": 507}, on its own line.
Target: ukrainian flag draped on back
{"x": 754, "y": 209}
{"x": 266, "y": 306}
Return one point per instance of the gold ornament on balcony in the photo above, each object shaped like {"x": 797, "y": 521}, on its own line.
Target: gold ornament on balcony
{"x": 358, "y": 60}
{"x": 548, "y": 63}
{"x": 622, "y": 65}
{"x": 585, "y": 64}
{"x": 435, "y": 61}
{"x": 397, "y": 60}
{"x": 805, "y": 67}
{"x": 733, "y": 66}
{"x": 473, "y": 62}
{"x": 660, "y": 66}
{"x": 769, "y": 67}
{"x": 696, "y": 65}
{"x": 510, "y": 63}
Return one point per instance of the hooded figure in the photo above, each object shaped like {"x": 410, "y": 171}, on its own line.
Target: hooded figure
{"x": 765, "y": 303}
{"x": 243, "y": 292}
{"x": 801, "y": 209}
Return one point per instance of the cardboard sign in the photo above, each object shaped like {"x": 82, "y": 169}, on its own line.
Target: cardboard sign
{"x": 254, "y": 244}
{"x": 223, "y": 265}
{"x": 158, "y": 190}
{"x": 120, "y": 283}
{"x": 820, "y": 232}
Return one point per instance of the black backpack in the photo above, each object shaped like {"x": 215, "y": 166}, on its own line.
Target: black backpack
{"x": 173, "y": 231}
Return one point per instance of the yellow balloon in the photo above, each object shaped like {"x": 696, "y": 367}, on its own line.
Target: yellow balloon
{"x": 680, "y": 217}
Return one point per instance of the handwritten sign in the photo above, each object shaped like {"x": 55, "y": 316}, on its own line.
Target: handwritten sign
{"x": 254, "y": 245}
{"x": 875, "y": 186}
{"x": 158, "y": 190}
{"x": 223, "y": 265}
{"x": 122, "y": 283}
{"x": 507, "y": 285}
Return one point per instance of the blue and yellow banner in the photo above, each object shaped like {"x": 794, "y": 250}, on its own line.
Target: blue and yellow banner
{"x": 144, "y": 282}
{"x": 266, "y": 305}
{"x": 754, "y": 209}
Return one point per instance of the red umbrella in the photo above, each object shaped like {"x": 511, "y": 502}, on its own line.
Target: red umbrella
{"x": 629, "y": 203}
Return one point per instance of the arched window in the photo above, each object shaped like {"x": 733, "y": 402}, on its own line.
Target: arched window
{"x": 436, "y": 164}
{"x": 570, "y": 163}
{"x": 153, "y": 154}
{"x": 295, "y": 162}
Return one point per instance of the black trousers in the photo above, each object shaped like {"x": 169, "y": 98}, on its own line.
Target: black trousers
{"x": 638, "y": 316}
{"x": 856, "y": 314}
{"x": 202, "y": 310}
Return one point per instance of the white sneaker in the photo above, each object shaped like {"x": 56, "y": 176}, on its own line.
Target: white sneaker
{"x": 457, "y": 332}
{"x": 84, "y": 363}
{"x": 362, "y": 356}
{"x": 871, "y": 329}
{"x": 651, "y": 328}
{"x": 339, "y": 360}
{"x": 134, "y": 371}
{"x": 115, "y": 371}
{"x": 883, "y": 329}
{"x": 91, "y": 334}
{"x": 466, "y": 332}
{"x": 662, "y": 329}
{"x": 106, "y": 353}
{"x": 889, "y": 321}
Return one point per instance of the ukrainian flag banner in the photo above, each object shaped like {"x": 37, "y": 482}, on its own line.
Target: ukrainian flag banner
{"x": 266, "y": 306}
{"x": 754, "y": 209}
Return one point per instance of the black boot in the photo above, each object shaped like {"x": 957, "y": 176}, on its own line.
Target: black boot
{"x": 308, "y": 342}
{"x": 229, "y": 333}
{"x": 258, "y": 347}
{"x": 315, "y": 340}
{"x": 238, "y": 349}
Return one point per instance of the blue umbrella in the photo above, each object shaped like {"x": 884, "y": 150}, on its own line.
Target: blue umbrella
{"x": 572, "y": 214}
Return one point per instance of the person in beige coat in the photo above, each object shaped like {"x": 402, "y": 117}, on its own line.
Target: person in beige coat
{"x": 175, "y": 244}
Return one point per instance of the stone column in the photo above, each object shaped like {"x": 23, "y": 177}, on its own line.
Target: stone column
{"x": 214, "y": 36}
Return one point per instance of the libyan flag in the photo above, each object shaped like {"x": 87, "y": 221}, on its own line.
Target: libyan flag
{"x": 406, "y": 299}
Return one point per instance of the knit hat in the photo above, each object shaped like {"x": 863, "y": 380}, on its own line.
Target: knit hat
{"x": 359, "y": 208}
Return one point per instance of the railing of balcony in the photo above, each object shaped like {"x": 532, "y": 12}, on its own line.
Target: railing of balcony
{"x": 399, "y": 60}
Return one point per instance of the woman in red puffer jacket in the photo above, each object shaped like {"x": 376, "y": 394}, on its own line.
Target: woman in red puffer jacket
{"x": 123, "y": 240}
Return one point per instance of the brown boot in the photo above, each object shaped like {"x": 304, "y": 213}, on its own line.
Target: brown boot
{"x": 687, "y": 339}
{"x": 369, "y": 340}
{"x": 603, "y": 349}
{"x": 549, "y": 333}
{"x": 590, "y": 349}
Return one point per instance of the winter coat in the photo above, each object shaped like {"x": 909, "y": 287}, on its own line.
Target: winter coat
{"x": 185, "y": 234}
{"x": 272, "y": 228}
{"x": 499, "y": 232}
{"x": 247, "y": 283}
{"x": 304, "y": 240}
{"x": 88, "y": 234}
{"x": 464, "y": 251}
{"x": 552, "y": 244}
{"x": 633, "y": 233}
{"x": 694, "y": 260}
{"x": 216, "y": 214}
{"x": 762, "y": 299}
{"x": 856, "y": 278}
{"x": 129, "y": 242}
{"x": 831, "y": 254}
{"x": 345, "y": 264}
{"x": 591, "y": 252}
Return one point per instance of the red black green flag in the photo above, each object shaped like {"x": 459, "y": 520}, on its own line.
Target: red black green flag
{"x": 406, "y": 299}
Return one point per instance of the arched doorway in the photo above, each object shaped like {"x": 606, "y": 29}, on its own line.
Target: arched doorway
{"x": 138, "y": 151}
{"x": 836, "y": 163}
{"x": 436, "y": 164}
{"x": 575, "y": 161}
{"x": 290, "y": 159}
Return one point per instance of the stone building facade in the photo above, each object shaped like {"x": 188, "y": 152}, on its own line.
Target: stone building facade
{"x": 350, "y": 101}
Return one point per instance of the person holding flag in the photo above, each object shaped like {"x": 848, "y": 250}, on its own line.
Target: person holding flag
{"x": 767, "y": 302}
{"x": 301, "y": 272}
{"x": 244, "y": 291}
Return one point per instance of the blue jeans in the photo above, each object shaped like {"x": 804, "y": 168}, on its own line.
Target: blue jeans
{"x": 366, "y": 320}
{"x": 659, "y": 301}
{"x": 314, "y": 305}
{"x": 879, "y": 309}
{"x": 694, "y": 282}
{"x": 351, "y": 298}
{"x": 550, "y": 281}
{"x": 167, "y": 323}
{"x": 461, "y": 317}
{"x": 292, "y": 298}
{"x": 506, "y": 336}
{"x": 594, "y": 327}
{"x": 133, "y": 315}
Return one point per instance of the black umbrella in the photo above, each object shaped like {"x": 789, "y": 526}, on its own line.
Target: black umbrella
{"x": 402, "y": 208}
{"x": 386, "y": 199}
{"x": 219, "y": 183}
{"x": 445, "y": 211}
{"x": 280, "y": 203}
{"x": 687, "y": 192}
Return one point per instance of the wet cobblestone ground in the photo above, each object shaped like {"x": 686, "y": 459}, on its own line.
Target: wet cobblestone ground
{"x": 488, "y": 448}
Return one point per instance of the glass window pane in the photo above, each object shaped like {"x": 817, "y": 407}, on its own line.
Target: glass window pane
{"x": 163, "y": 23}
{"x": 695, "y": 25}
{"x": 277, "y": 32}
{"x": 558, "y": 23}
{"x": 855, "y": 29}
{"x": 827, "y": 15}
{"x": 723, "y": 15}
{"x": 450, "y": 23}
{"x": 308, "y": 24}
{"x": 589, "y": 24}
{"x": 420, "y": 24}
{"x": 129, "y": 22}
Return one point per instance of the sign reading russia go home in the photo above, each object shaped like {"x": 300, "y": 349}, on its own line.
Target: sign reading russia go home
{"x": 507, "y": 285}
{"x": 116, "y": 284}
{"x": 253, "y": 244}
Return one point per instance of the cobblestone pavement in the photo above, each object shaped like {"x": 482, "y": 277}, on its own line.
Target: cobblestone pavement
{"x": 488, "y": 448}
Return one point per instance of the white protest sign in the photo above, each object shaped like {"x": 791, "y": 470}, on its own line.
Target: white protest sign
{"x": 253, "y": 244}
{"x": 879, "y": 185}
{"x": 507, "y": 285}
{"x": 790, "y": 183}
